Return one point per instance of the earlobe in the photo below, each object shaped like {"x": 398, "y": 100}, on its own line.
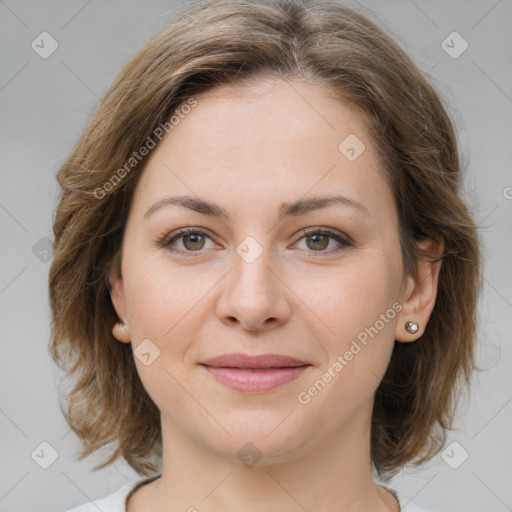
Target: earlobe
{"x": 120, "y": 330}
{"x": 420, "y": 294}
{"x": 121, "y": 333}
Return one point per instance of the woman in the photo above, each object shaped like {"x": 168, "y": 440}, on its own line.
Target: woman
{"x": 265, "y": 279}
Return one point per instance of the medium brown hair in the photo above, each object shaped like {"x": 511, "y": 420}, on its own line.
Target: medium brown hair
{"x": 234, "y": 42}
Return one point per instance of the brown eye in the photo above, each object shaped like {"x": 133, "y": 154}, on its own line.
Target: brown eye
{"x": 318, "y": 241}
{"x": 192, "y": 241}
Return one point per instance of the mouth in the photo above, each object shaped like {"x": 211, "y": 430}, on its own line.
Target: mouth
{"x": 254, "y": 374}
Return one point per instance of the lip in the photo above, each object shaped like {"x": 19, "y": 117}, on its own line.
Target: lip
{"x": 254, "y": 374}
{"x": 254, "y": 362}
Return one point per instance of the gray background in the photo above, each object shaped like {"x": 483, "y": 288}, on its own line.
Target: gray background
{"x": 45, "y": 104}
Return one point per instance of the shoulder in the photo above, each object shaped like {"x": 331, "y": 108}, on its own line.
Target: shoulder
{"x": 406, "y": 506}
{"x": 114, "y": 502}
{"x": 411, "y": 507}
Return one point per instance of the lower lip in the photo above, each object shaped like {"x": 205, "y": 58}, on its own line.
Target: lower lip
{"x": 255, "y": 380}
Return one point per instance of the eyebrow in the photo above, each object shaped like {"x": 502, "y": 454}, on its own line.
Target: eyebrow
{"x": 294, "y": 209}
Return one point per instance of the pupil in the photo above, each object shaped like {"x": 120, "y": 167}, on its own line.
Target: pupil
{"x": 316, "y": 240}
{"x": 194, "y": 239}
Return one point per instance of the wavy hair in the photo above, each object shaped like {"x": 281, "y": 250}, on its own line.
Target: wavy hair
{"x": 218, "y": 42}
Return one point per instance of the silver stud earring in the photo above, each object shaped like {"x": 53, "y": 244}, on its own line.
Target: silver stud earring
{"x": 121, "y": 325}
{"x": 411, "y": 327}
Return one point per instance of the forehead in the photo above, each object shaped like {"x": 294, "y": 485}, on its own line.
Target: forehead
{"x": 273, "y": 139}
{"x": 271, "y": 110}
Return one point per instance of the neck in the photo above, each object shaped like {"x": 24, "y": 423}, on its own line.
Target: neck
{"x": 334, "y": 475}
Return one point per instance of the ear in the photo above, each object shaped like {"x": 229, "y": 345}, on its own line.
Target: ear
{"x": 119, "y": 330}
{"x": 419, "y": 295}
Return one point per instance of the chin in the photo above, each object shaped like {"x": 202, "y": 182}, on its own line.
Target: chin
{"x": 266, "y": 436}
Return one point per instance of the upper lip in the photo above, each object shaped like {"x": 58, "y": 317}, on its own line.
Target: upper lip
{"x": 258, "y": 361}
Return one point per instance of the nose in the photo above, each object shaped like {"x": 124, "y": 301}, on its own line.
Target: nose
{"x": 254, "y": 295}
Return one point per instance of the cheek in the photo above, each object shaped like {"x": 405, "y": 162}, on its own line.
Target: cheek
{"x": 168, "y": 305}
{"x": 358, "y": 310}
{"x": 352, "y": 298}
{"x": 159, "y": 294}
{"x": 163, "y": 308}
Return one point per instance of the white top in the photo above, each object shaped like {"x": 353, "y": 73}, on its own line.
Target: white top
{"x": 116, "y": 501}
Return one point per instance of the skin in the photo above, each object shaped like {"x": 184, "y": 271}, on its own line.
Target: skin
{"x": 250, "y": 150}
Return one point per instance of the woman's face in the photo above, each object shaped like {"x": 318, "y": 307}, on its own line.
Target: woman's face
{"x": 253, "y": 281}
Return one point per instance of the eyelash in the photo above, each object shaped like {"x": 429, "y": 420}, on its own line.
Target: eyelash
{"x": 167, "y": 241}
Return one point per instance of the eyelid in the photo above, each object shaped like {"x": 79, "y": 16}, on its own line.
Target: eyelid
{"x": 324, "y": 230}
{"x": 342, "y": 239}
{"x": 184, "y": 231}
